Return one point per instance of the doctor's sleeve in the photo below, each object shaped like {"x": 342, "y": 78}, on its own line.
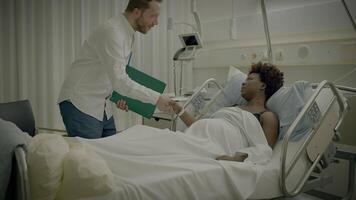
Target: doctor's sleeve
{"x": 110, "y": 48}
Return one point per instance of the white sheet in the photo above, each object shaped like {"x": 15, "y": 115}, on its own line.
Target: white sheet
{"x": 150, "y": 163}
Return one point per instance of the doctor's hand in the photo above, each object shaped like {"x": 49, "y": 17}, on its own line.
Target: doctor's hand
{"x": 122, "y": 105}
{"x": 175, "y": 106}
{"x": 163, "y": 104}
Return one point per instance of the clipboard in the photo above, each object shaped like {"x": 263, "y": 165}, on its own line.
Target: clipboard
{"x": 137, "y": 106}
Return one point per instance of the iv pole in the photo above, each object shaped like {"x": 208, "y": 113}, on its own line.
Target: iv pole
{"x": 349, "y": 14}
{"x": 265, "y": 22}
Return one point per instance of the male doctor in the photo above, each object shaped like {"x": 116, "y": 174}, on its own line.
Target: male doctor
{"x": 99, "y": 68}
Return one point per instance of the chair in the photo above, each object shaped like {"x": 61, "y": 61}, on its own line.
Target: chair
{"x": 20, "y": 113}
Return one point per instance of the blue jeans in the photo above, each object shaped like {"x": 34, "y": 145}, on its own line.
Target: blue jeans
{"x": 82, "y": 125}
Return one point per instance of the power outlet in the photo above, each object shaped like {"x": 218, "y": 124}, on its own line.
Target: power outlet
{"x": 264, "y": 55}
{"x": 279, "y": 55}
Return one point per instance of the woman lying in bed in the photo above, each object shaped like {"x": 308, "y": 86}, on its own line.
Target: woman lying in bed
{"x": 262, "y": 82}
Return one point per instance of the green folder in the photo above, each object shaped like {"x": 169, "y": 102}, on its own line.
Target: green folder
{"x": 144, "y": 109}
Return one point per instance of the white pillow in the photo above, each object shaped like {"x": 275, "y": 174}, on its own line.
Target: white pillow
{"x": 234, "y": 71}
{"x": 85, "y": 175}
{"x": 287, "y": 102}
{"x": 231, "y": 93}
{"x": 45, "y": 157}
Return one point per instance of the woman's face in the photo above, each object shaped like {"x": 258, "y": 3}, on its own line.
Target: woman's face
{"x": 251, "y": 86}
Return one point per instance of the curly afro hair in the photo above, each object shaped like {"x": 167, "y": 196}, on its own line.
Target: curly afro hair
{"x": 270, "y": 75}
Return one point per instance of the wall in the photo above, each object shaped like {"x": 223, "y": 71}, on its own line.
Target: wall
{"x": 329, "y": 59}
{"x": 303, "y": 33}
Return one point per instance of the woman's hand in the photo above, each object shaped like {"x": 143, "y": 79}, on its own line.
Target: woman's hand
{"x": 185, "y": 117}
{"x": 122, "y": 105}
{"x": 238, "y": 157}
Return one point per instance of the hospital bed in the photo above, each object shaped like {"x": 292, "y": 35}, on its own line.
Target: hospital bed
{"x": 292, "y": 168}
{"x": 300, "y": 162}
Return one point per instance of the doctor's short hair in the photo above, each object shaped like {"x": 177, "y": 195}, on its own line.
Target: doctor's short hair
{"x": 139, "y": 4}
{"x": 270, "y": 75}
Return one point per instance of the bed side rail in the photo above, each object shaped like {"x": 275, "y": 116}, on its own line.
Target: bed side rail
{"x": 315, "y": 152}
{"x": 195, "y": 96}
{"x": 59, "y": 131}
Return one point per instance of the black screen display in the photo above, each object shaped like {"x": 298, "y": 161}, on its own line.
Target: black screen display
{"x": 190, "y": 40}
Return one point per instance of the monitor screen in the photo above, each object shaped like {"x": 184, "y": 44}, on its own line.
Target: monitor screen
{"x": 190, "y": 40}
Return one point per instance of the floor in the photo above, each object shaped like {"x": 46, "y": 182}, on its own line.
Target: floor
{"x": 303, "y": 197}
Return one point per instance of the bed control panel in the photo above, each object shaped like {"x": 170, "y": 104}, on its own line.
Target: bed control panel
{"x": 314, "y": 113}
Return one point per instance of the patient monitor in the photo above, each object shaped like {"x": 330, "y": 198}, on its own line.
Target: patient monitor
{"x": 191, "y": 42}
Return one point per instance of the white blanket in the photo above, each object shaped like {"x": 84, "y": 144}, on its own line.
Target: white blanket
{"x": 150, "y": 163}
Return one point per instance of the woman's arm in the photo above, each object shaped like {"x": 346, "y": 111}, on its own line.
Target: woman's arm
{"x": 185, "y": 117}
{"x": 269, "y": 123}
{"x": 238, "y": 157}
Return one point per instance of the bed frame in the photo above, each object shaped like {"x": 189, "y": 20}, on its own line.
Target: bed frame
{"x": 318, "y": 145}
